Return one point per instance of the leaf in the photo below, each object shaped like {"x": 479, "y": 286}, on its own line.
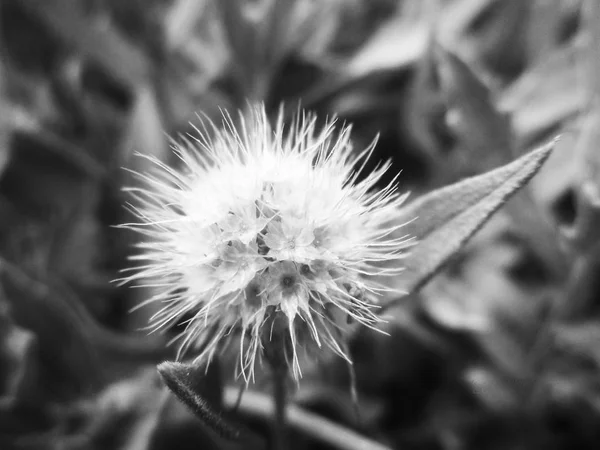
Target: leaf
{"x": 27, "y": 408}
{"x": 425, "y": 110}
{"x": 184, "y": 380}
{"x": 579, "y": 224}
{"x": 262, "y": 37}
{"x": 579, "y": 339}
{"x": 396, "y": 45}
{"x": 471, "y": 114}
{"x": 95, "y": 39}
{"x": 543, "y": 97}
{"x": 496, "y": 393}
{"x": 444, "y": 220}
{"x": 549, "y": 26}
{"x": 123, "y": 416}
{"x": 279, "y": 28}
{"x": 68, "y": 370}
{"x": 55, "y": 316}
{"x": 581, "y": 227}
{"x": 485, "y": 140}
{"x": 181, "y": 20}
{"x": 491, "y": 31}
{"x": 240, "y": 38}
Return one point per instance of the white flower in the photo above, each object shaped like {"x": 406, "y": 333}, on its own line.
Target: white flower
{"x": 265, "y": 225}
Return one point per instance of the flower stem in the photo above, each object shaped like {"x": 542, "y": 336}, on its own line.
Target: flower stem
{"x": 280, "y": 435}
{"x": 258, "y": 405}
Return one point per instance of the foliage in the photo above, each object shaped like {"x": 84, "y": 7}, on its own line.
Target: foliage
{"x": 498, "y": 350}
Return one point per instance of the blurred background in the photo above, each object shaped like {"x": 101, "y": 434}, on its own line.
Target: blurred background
{"x": 500, "y": 351}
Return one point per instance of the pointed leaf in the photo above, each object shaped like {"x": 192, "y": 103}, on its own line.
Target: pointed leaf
{"x": 184, "y": 381}
{"x": 444, "y": 220}
{"x": 471, "y": 114}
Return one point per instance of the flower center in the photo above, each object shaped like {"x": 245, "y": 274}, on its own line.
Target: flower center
{"x": 287, "y": 281}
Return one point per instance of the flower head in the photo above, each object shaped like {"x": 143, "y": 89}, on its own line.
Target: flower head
{"x": 266, "y": 229}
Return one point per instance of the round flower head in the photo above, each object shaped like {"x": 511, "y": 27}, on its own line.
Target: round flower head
{"x": 266, "y": 237}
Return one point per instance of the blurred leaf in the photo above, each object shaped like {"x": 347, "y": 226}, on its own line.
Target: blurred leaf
{"x": 494, "y": 292}
{"x": 123, "y": 416}
{"x": 17, "y": 347}
{"x": 579, "y": 339}
{"x": 508, "y": 352}
{"x": 571, "y": 375}
{"x": 465, "y": 15}
{"x": 252, "y": 33}
{"x": 453, "y": 119}
{"x": 501, "y": 42}
{"x": 27, "y": 410}
{"x": 491, "y": 31}
{"x": 53, "y": 188}
{"x": 328, "y": 18}
{"x": 145, "y": 132}
{"x": 396, "y": 45}
{"x": 70, "y": 364}
{"x": 241, "y": 40}
{"x": 444, "y": 220}
{"x": 281, "y": 25}
{"x": 471, "y": 114}
{"x": 93, "y": 37}
{"x": 182, "y": 19}
{"x": 56, "y": 316}
{"x": 552, "y": 23}
{"x": 455, "y": 306}
{"x": 485, "y": 141}
{"x": 582, "y": 226}
{"x": 545, "y": 96}
{"x": 263, "y": 35}
{"x": 423, "y": 112}
{"x": 493, "y": 391}
{"x": 583, "y": 232}
{"x": 184, "y": 380}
